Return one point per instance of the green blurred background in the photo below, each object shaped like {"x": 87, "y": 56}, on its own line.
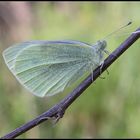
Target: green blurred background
{"x": 109, "y": 108}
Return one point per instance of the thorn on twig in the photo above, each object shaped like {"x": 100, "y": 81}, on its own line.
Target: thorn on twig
{"x": 54, "y": 118}
{"x": 59, "y": 114}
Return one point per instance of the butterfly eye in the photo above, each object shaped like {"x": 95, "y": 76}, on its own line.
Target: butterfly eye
{"x": 104, "y": 44}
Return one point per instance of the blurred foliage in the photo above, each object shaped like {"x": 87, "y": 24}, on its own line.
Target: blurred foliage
{"x": 109, "y": 108}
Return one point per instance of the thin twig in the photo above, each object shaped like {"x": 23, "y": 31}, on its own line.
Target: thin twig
{"x": 59, "y": 109}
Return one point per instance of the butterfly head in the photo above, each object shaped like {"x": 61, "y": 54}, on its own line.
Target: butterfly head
{"x": 101, "y": 45}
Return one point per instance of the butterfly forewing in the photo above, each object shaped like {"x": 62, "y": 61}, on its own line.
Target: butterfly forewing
{"x": 47, "y": 67}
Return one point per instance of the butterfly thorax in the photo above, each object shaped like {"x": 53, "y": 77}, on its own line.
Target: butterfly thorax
{"x": 98, "y": 51}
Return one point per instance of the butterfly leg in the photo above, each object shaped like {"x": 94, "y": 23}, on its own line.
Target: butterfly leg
{"x": 102, "y": 64}
{"x": 91, "y": 73}
{"x": 108, "y": 53}
{"x": 107, "y": 72}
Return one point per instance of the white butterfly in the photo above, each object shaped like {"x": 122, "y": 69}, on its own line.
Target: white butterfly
{"x": 48, "y": 67}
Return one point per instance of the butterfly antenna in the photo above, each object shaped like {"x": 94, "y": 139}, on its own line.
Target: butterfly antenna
{"x": 130, "y": 22}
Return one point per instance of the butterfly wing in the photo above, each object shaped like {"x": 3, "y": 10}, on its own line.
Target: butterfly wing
{"x": 47, "y": 67}
{"x": 11, "y": 53}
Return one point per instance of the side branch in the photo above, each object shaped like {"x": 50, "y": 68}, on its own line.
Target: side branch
{"x": 58, "y": 110}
